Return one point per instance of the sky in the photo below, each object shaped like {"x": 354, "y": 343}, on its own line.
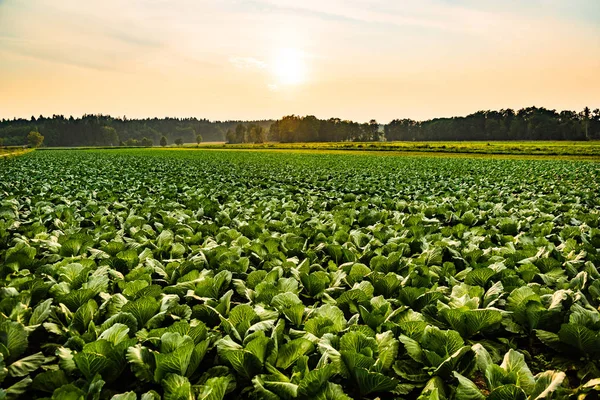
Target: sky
{"x": 352, "y": 59}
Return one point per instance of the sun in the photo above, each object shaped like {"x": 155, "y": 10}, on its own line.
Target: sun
{"x": 289, "y": 67}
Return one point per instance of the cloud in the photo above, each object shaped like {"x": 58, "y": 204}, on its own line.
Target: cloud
{"x": 247, "y": 63}
{"x": 431, "y": 14}
{"x": 72, "y": 36}
{"x": 31, "y": 50}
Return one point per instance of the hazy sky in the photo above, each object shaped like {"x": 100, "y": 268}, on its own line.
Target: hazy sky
{"x": 354, "y": 59}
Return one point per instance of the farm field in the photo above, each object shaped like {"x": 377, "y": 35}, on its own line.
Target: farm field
{"x": 190, "y": 274}
{"x": 12, "y": 151}
{"x": 589, "y": 149}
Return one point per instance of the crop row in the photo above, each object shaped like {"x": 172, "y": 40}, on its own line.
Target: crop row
{"x": 208, "y": 274}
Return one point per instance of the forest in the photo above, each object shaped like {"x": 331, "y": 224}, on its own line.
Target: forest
{"x": 532, "y": 123}
{"x": 104, "y": 130}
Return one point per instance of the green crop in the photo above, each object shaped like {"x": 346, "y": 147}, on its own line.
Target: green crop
{"x": 148, "y": 274}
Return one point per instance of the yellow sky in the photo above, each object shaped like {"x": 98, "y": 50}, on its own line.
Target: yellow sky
{"x": 354, "y": 59}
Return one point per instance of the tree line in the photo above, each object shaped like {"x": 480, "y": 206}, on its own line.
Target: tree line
{"x": 252, "y": 133}
{"x": 311, "y": 129}
{"x": 104, "y": 130}
{"x": 532, "y": 123}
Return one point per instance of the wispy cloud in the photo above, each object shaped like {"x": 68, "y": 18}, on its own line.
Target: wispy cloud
{"x": 35, "y": 51}
{"x": 71, "y": 36}
{"x": 247, "y": 63}
{"x": 431, "y": 14}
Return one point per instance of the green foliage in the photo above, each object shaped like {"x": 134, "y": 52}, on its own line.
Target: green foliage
{"x": 35, "y": 139}
{"x": 141, "y": 273}
{"x": 531, "y": 123}
{"x": 104, "y": 130}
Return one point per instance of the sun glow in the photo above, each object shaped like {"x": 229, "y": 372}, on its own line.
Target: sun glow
{"x": 289, "y": 67}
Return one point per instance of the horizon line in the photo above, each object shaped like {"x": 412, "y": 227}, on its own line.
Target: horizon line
{"x": 125, "y": 117}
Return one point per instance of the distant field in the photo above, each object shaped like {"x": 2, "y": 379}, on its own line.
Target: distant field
{"x": 546, "y": 148}
{"x": 531, "y": 149}
{"x": 6, "y": 151}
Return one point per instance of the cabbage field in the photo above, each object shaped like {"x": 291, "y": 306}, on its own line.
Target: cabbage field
{"x": 207, "y": 274}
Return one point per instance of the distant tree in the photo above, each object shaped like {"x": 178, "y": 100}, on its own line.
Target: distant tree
{"x": 373, "y": 130}
{"x": 132, "y": 142}
{"x": 230, "y": 136}
{"x": 401, "y": 129}
{"x": 198, "y": 139}
{"x": 288, "y": 127}
{"x": 330, "y": 130}
{"x": 179, "y": 141}
{"x": 274, "y": 132}
{"x": 585, "y": 114}
{"x": 35, "y": 139}
{"x": 109, "y": 136}
{"x": 307, "y": 129}
{"x": 221, "y": 133}
{"x": 517, "y": 129}
{"x": 256, "y": 133}
{"x": 1, "y": 141}
{"x": 240, "y": 133}
{"x": 259, "y": 134}
{"x": 163, "y": 141}
{"x": 147, "y": 142}
{"x": 595, "y": 124}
